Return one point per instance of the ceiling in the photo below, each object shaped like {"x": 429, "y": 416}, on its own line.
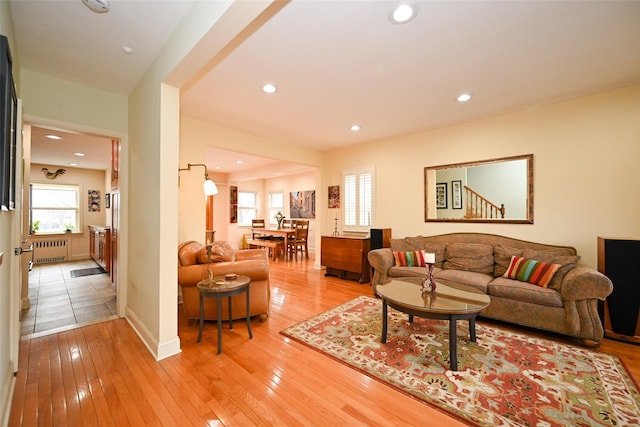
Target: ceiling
{"x": 341, "y": 63}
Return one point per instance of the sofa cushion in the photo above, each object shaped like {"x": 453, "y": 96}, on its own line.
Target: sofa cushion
{"x": 463, "y": 279}
{"x": 556, "y": 256}
{"x": 220, "y": 252}
{"x": 396, "y": 271}
{"x": 524, "y": 292}
{"x": 531, "y": 271}
{"x": 502, "y": 257}
{"x": 469, "y": 257}
{"x": 415, "y": 243}
{"x": 436, "y": 248}
{"x": 410, "y": 258}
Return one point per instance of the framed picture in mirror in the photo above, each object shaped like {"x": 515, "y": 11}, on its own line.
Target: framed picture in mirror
{"x": 441, "y": 195}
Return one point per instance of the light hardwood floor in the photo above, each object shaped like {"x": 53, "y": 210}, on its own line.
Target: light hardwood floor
{"x": 103, "y": 375}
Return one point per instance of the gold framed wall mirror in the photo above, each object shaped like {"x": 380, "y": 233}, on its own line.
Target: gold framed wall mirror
{"x": 487, "y": 191}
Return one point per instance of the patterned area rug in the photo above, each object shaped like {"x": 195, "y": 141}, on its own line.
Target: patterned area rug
{"x": 504, "y": 379}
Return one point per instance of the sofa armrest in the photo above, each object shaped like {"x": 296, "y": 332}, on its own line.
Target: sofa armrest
{"x": 585, "y": 283}
{"x": 381, "y": 260}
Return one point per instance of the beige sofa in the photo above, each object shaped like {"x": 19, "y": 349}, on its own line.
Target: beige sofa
{"x": 192, "y": 268}
{"x": 477, "y": 261}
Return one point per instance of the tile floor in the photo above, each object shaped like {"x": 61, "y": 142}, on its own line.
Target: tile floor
{"x": 60, "y": 302}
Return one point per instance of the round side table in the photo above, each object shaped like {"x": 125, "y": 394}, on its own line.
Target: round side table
{"x": 223, "y": 288}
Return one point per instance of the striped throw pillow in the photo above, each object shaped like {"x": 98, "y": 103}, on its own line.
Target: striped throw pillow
{"x": 410, "y": 259}
{"x": 531, "y": 271}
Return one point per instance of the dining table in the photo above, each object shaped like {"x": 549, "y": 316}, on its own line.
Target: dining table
{"x": 286, "y": 233}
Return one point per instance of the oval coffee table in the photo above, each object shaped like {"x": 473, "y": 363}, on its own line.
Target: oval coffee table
{"x": 450, "y": 304}
{"x": 224, "y": 288}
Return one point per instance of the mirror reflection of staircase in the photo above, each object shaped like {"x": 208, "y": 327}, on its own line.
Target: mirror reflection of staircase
{"x": 479, "y": 206}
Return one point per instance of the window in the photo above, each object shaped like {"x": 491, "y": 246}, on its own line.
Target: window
{"x": 358, "y": 198}
{"x": 54, "y": 208}
{"x": 247, "y": 207}
{"x": 276, "y": 204}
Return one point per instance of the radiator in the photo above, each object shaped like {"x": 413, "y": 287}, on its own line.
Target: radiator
{"x": 51, "y": 250}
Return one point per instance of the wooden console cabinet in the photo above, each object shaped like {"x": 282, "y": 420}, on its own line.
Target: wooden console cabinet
{"x": 100, "y": 246}
{"x": 346, "y": 257}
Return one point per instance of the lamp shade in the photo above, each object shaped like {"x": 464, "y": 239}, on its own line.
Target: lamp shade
{"x": 210, "y": 188}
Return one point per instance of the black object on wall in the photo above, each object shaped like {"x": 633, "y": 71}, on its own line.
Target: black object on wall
{"x": 618, "y": 259}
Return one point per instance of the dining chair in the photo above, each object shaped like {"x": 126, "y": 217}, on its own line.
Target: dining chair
{"x": 299, "y": 242}
{"x": 257, "y": 223}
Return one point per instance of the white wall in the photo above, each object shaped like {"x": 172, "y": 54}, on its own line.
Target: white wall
{"x": 586, "y": 174}
{"x": 55, "y": 100}
{"x": 7, "y": 364}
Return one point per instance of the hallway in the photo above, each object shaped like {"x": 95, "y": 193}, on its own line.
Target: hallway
{"x": 60, "y": 302}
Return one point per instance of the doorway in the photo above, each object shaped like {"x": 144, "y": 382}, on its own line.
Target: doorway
{"x": 58, "y": 296}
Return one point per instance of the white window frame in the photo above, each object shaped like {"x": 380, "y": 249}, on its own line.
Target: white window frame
{"x": 275, "y": 206}
{"x": 358, "y": 200}
{"x": 70, "y": 187}
{"x": 246, "y": 213}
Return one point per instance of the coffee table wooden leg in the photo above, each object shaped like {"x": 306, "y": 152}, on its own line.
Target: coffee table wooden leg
{"x": 383, "y": 338}
{"x": 472, "y": 329}
{"x": 453, "y": 338}
{"x": 219, "y": 300}
{"x": 201, "y": 318}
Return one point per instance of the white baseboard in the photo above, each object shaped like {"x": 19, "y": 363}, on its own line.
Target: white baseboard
{"x": 7, "y": 396}
{"x": 158, "y": 350}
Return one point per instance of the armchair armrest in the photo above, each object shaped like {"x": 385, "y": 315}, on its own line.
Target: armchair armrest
{"x": 190, "y": 275}
{"x": 585, "y": 283}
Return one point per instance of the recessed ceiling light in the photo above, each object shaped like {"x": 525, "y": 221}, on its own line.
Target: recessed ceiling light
{"x": 269, "y": 88}
{"x": 464, "y": 97}
{"x": 79, "y": 154}
{"x": 239, "y": 162}
{"x": 128, "y": 50}
{"x": 73, "y": 164}
{"x": 50, "y": 136}
{"x": 218, "y": 167}
{"x": 355, "y": 128}
{"x": 403, "y": 13}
